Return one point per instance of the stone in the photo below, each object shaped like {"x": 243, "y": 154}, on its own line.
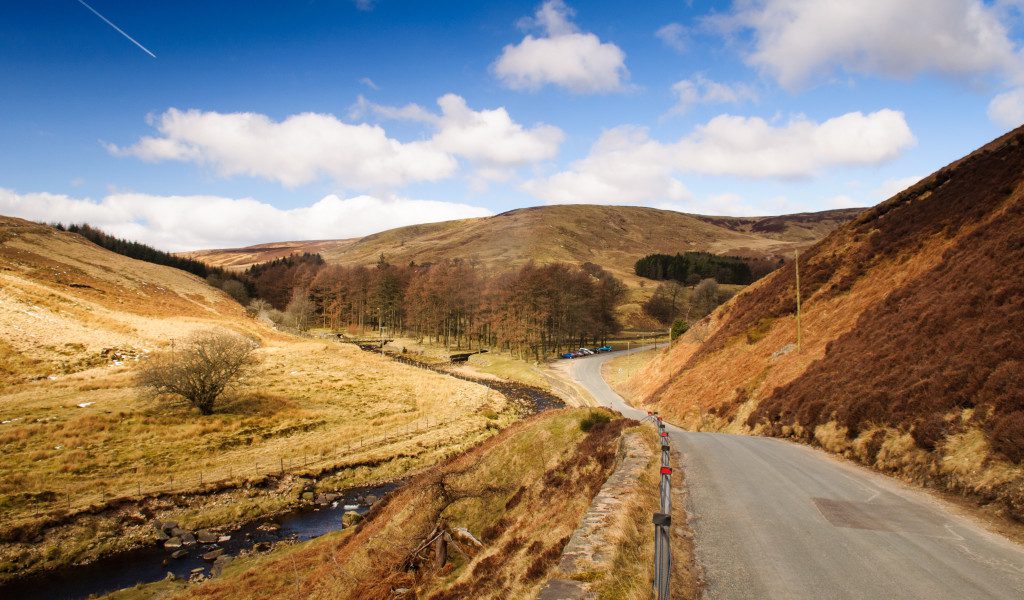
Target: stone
{"x": 371, "y": 500}
{"x": 350, "y": 518}
{"x": 179, "y": 553}
{"x": 161, "y": 536}
{"x": 213, "y": 554}
{"x": 331, "y": 497}
{"x": 198, "y": 570}
{"x": 175, "y": 531}
{"x": 174, "y": 542}
{"x": 308, "y": 496}
{"x": 168, "y": 525}
{"x": 188, "y": 539}
{"x": 218, "y": 566}
{"x": 223, "y": 538}
{"x": 205, "y": 536}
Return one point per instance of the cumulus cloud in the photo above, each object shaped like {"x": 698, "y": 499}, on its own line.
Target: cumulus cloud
{"x": 1007, "y": 109}
{"x": 797, "y": 40}
{"x": 489, "y": 139}
{"x": 297, "y": 150}
{"x": 673, "y": 35}
{"x": 307, "y": 147}
{"x": 701, "y": 90}
{"x": 177, "y": 223}
{"x": 562, "y": 55}
{"x": 626, "y": 165}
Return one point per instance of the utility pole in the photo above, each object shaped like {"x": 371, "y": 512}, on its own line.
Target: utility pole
{"x": 798, "y": 332}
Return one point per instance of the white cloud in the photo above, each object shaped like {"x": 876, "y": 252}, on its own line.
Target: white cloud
{"x": 178, "y": 223}
{"x": 307, "y": 147}
{"x": 563, "y": 56}
{"x": 797, "y": 40}
{"x": 369, "y": 83}
{"x": 1007, "y": 109}
{"x": 673, "y": 35}
{"x": 626, "y": 165}
{"x": 489, "y": 139}
{"x": 701, "y": 90}
{"x": 298, "y": 150}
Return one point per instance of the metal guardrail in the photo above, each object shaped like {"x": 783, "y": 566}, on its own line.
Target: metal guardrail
{"x": 663, "y": 520}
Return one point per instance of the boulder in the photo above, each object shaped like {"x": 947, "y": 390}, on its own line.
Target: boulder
{"x": 175, "y": 531}
{"x": 218, "y": 565}
{"x": 350, "y": 518}
{"x": 371, "y": 500}
{"x": 188, "y": 539}
{"x": 205, "y": 536}
{"x": 174, "y": 542}
{"x": 161, "y": 536}
{"x": 167, "y": 525}
{"x": 308, "y": 496}
{"x": 223, "y": 538}
{"x": 179, "y": 553}
{"x": 213, "y": 554}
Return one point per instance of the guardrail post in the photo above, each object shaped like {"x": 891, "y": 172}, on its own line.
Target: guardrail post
{"x": 663, "y": 521}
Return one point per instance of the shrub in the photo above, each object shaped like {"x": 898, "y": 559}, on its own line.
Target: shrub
{"x": 928, "y": 431}
{"x": 1008, "y": 436}
{"x": 593, "y": 418}
{"x": 201, "y": 369}
{"x": 679, "y": 327}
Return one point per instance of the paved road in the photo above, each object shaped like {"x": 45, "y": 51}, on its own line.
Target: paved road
{"x": 773, "y": 519}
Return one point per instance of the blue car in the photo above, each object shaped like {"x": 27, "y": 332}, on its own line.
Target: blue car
{"x": 605, "y": 349}
{"x": 568, "y": 355}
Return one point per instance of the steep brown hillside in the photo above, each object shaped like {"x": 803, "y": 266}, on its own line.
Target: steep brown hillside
{"x": 64, "y": 301}
{"x": 913, "y": 353}
{"x": 611, "y": 236}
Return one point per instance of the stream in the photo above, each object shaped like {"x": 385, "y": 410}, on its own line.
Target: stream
{"x": 149, "y": 564}
{"x": 153, "y": 563}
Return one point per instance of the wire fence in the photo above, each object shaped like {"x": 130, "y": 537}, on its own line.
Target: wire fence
{"x": 310, "y": 461}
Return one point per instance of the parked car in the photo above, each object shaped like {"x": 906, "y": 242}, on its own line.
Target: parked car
{"x": 605, "y": 349}
{"x": 569, "y": 355}
{"x": 586, "y": 351}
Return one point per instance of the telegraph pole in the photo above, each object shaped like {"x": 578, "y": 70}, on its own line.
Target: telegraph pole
{"x": 798, "y": 332}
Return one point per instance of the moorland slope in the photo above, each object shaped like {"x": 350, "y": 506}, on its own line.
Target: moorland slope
{"x": 912, "y": 358}
{"x": 84, "y": 452}
{"x": 611, "y": 236}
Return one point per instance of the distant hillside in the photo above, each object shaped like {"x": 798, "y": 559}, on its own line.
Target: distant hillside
{"x": 913, "y": 349}
{"x": 64, "y": 301}
{"x": 611, "y": 236}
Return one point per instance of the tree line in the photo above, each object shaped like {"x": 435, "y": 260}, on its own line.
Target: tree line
{"x": 691, "y": 267}
{"x": 532, "y": 311}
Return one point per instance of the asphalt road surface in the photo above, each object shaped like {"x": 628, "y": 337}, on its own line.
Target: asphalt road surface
{"x": 773, "y": 519}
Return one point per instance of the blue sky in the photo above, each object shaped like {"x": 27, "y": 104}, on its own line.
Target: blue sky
{"x": 333, "y": 118}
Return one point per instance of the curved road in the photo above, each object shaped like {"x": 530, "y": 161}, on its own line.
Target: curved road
{"x": 772, "y": 519}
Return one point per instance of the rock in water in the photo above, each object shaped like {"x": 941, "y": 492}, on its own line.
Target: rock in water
{"x": 179, "y": 553}
{"x": 205, "y": 536}
{"x": 174, "y": 542}
{"x": 213, "y": 554}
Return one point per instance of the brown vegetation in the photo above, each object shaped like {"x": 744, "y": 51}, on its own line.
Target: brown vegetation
{"x": 611, "y": 236}
{"x": 912, "y": 342}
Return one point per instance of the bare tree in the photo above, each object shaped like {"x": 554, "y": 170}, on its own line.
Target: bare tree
{"x": 200, "y": 369}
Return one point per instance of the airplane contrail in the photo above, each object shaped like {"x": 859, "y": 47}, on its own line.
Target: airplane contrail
{"x": 119, "y": 30}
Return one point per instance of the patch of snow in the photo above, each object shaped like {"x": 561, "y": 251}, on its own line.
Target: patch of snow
{"x": 85, "y": 404}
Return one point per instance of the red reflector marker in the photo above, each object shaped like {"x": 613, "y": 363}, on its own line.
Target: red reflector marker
{"x": 664, "y": 434}
{"x": 666, "y": 470}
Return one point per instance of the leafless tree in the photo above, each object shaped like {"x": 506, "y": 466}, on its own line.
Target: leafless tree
{"x": 200, "y": 368}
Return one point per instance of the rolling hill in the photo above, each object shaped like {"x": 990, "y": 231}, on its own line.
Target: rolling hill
{"x": 611, "y": 236}
{"x": 912, "y": 357}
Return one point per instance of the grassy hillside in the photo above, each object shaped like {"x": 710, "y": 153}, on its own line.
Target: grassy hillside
{"x": 522, "y": 494}
{"x": 912, "y": 348}
{"x": 84, "y": 452}
{"x": 611, "y": 236}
